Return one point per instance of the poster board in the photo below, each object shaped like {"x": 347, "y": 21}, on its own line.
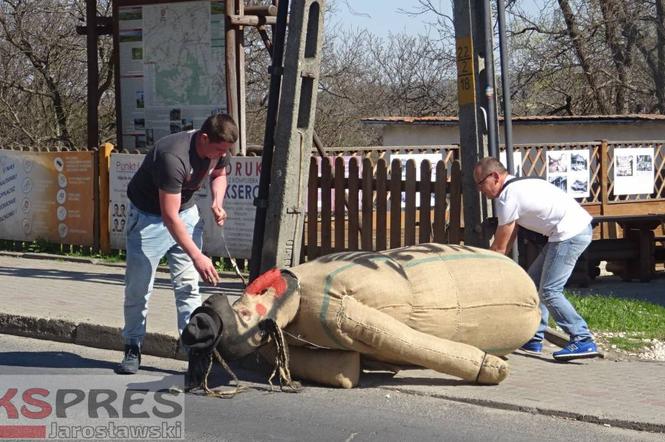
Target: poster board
{"x": 171, "y": 67}
{"x": 243, "y": 184}
{"x": 634, "y": 171}
{"x": 569, "y": 171}
{"x": 48, "y": 196}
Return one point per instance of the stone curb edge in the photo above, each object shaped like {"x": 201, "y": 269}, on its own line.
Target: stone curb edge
{"x": 589, "y": 418}
{"x": 85, "y": 260}
{"x": 86, "y": 334}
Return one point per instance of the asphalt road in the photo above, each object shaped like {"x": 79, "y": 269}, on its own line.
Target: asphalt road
{"x": 315, "y": 413}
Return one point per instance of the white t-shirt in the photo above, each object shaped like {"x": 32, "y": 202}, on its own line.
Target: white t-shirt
{"x": 542, "y": 207}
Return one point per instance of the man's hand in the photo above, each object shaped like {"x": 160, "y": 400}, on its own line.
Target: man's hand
{"x": 219, "y": 213}
{"x": 206, "y": 269}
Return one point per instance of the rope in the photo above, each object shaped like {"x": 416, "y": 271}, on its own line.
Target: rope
{"x": 281, "y": 364}
{"x": 233, "y": 261}
{"x": 219, "y": 393}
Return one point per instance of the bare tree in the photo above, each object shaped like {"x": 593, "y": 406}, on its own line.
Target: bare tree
{"x": 43, "y": 73}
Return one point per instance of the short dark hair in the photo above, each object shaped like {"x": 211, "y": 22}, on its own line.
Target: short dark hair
{"x": 220, "y": 127}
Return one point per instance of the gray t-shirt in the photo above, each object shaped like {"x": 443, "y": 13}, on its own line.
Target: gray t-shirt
{"x": 174, "y": 167}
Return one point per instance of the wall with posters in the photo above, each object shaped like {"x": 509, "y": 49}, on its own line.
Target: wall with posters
{"x": 47, "y": 195}
{"x": 243, "y": 184}
{"x": 170, "y": 66}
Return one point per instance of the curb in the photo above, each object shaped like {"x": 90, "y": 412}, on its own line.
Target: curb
{"x": 85, "y": 260}
{"x": 86, "y": 334}
{"x": 612, "y": 422}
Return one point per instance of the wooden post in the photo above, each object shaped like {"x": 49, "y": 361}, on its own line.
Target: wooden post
{"x": 231, "y": 78}
{"x": 240, "y": 72}
{"x": 93, "y": 73}
{"x": 609, "y": 229}
{"x": 104, "y": 156}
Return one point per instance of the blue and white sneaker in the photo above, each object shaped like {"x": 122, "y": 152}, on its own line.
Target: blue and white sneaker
{"x": 533, "y": 347}
{"x": 577, "y": 350}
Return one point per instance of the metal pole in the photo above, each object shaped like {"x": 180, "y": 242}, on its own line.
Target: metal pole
{"x": 261, "y": 201}
{"x": 507, "y": 111}
{"x": 489, "y": 81}
{"x": 505, "y": 86}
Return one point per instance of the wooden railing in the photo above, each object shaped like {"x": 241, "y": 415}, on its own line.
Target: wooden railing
{"x": 380, "y": 207}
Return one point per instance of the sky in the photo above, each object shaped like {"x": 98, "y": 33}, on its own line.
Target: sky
{"x": 382, "y": 17}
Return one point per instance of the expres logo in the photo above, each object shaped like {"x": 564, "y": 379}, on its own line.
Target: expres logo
{"x": 91, "y": 407}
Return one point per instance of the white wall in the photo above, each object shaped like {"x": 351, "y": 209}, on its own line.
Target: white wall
{"x": 417, "y": 134}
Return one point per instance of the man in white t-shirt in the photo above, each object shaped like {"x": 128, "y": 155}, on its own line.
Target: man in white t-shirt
{"x": 539, "y": 206}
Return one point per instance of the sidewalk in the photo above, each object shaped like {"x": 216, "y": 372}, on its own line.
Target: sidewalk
{"x": 81, "y": 303}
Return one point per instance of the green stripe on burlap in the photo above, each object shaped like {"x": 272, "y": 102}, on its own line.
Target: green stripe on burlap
{"x": 325, "y": 305}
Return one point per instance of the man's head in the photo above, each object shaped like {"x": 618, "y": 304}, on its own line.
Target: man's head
{"x": 217, "y": 135}
{"x": 489, "y": 175}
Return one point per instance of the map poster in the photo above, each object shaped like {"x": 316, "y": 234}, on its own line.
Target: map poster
{"x": 171, "y": 68}
{"x": 122, "y": 169}
{"x": 569, "y": 171}
{"x": 433, "y": 158}
{"x": 633, "y": 171}
{"x": 47, "y": 196}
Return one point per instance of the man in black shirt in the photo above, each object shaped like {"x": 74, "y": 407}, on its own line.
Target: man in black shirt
{"x": 163, "y": 220}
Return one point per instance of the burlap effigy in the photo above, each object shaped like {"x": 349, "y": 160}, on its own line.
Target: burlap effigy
{"x": 453, "y": 309}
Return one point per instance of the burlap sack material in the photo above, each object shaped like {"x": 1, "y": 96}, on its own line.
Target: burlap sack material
{"x": 452, "y": 309}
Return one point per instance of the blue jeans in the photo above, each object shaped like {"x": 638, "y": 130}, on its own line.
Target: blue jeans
{"x": 148, "y": 240}
{"x": 550, "y": 272}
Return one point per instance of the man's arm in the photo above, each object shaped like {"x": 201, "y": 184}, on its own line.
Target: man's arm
{"x": 170, "y": 205}
{"x": 218, "y": 182}
{"x": 504, "y": 237}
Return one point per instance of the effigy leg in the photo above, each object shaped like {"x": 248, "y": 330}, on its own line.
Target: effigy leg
{"x": 396, "y": 341}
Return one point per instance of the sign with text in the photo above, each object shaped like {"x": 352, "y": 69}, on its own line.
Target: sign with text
{"x": 122, "y": 169}
{"x": 243, "y": 183}
{"x": 87, "y": 407}
{"x": 243, "y": 187}
{"x": 47, "y": 195}
{"x": 171, "y": 67}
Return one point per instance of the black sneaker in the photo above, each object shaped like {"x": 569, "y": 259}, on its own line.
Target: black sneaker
{"x": 132, "y": 360}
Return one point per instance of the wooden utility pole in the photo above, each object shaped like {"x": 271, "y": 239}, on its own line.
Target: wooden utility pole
{"x": 470, "y": 48}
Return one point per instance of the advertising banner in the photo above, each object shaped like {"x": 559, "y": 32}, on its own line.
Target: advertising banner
{"x": 47, "y": 195}
{"x": 243, "y": 184}
{"x": 122, "y": 169}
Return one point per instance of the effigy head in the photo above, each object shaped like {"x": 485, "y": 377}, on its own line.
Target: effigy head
{"x": 235, "y": 330}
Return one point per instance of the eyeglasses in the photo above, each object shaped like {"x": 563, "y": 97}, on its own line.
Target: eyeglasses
{"x": 480, "y": 183}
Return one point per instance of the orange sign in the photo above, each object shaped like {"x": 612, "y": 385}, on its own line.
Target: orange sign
{"x": 47, "y": 195}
